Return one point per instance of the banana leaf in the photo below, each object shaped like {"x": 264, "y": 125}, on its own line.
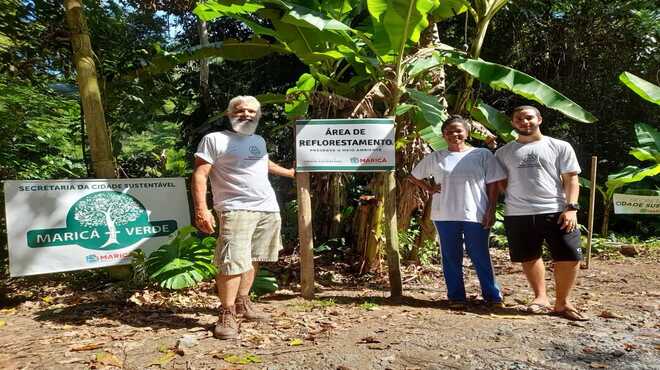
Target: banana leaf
{"x": 396, "y": 22}
{"x": 228, "y": 49}
{"x": 629, "y": 175}
{"x": 493, "y": 120}
{"x": 450, "y": 8}
{"x": 498, "y": 77}
{"x": 647, "y": 135}
{"x": 429, "y": 115}
{"x": 298, "y": 106}
{"x": 641, "y": 87}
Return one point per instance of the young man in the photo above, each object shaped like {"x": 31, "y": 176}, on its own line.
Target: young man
{"x": 237, "y": 163}
{"x": 541, "y": 204}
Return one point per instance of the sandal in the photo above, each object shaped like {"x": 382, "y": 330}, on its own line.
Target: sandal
{"x": 537, "y": 308}
{"x": 571, "y": 314}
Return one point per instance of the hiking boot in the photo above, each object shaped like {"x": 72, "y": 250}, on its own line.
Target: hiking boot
{"x": 227, "y": 325}
{"x": 245, "y": 307}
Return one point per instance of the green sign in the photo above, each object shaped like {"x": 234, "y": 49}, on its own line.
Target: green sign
{"x": 105, "y": 220}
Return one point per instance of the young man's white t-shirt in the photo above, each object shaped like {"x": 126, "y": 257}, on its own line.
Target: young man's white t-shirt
{"x": 534, "y": 184}
{"x": 463, "y": 177}
{"x": 239, "y": 175}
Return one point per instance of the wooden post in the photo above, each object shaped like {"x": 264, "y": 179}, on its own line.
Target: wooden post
{"x": 103, "y": 162}
{"x": 592, "y": 200}
{"x": 392, "y": 235}
{"x": 305, "y": 234}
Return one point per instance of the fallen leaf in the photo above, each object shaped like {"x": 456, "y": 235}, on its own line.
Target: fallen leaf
{"x": 164, "y": 359}
{"x": 107, "y": 358}
{"x": 629, "y": 346}
{"x": 598, "y": 365}
{"x": 296, "y": 342}
{"x": 2, "y": 323}
{"x": 47, "y": 299}
{"x": 610, "y": 315}
{"x": 87, "y": 347}
{"x": 242, "y": 360}
{"x": 7, "y": 311}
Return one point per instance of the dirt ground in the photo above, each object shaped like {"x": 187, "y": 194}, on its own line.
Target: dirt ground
{"x": 52, "y": 325}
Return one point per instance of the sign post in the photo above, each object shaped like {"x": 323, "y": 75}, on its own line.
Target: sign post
{"x": 335, "y": 145}
{"x": 592, "y": 199}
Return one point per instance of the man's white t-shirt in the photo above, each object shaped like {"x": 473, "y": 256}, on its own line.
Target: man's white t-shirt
{"x": 463, "y": 177}
{"x": 239, "y": 175}
{"x": 534, "y": 175}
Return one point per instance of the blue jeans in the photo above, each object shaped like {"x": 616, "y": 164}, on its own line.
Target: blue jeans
{"x": 452, "y": 235}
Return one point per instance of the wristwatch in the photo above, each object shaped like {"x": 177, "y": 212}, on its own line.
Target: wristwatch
{"x": 573, "y": 206}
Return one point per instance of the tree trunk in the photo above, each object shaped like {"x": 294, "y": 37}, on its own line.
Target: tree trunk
{"x": 103, "y": 163}
{"x": 606, "y": 218}
{"x": 338, "y": 195}
{"x": 112, "y": 231}
{"x": 391, "y": 234}
{"x": 427, "y": 230}
{"x": 204, "y": 68}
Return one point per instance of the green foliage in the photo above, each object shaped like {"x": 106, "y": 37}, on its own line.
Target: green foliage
{"x": 40, "y": 129}
{"x": 264, "y": 283}
{"x": 641, "y": 87}
{"x": 183, "y": 262}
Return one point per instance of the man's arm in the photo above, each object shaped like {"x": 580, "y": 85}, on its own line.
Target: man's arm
{"x": 277, "y": 170}
{"x": 203, "y": 217}
{"x": 568, "y": 218}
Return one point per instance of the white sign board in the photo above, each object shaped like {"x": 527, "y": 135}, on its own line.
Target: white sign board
{"x": 66, "y": 225}
{"x": 636, "y": 204}
{"x": 345, "y": 145}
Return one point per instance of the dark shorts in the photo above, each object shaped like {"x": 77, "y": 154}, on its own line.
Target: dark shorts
{"x": 526, "y": 234}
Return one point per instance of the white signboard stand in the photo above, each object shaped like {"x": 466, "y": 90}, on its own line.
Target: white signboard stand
{"x": 636, "y": 204}
{"x": 345, "y": 145}
{"x": 65, "y": 225}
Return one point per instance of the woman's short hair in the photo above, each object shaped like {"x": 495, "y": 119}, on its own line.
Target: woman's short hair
{"x": 453, "y": 119}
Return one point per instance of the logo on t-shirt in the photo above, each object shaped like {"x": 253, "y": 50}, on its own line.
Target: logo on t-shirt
{"x": 254, "y": 150}
{"x": 530, "y": 160}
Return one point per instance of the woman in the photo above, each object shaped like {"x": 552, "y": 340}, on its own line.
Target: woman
{"x": 463, "y": 208}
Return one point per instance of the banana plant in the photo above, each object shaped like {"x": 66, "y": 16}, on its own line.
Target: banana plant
{"x": 648, "y": 139}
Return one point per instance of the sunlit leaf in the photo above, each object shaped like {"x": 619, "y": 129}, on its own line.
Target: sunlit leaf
{"x": 641, "y": 87}
{"x": 628, "y": 175}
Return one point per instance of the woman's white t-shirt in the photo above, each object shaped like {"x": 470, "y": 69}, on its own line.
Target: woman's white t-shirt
{"x": 463, "y": 177}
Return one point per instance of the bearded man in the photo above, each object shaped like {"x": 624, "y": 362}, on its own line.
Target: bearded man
{"x": 541, "y": 205}
{"x": 236, "y": 161}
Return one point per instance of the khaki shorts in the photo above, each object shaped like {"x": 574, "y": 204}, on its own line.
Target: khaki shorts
{"x": 246, "y": 237}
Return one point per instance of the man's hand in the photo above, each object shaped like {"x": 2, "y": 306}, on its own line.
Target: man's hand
{"x": 205, "y": 221}
{"x": 489, "y": 218}
{"x": 568, "y": 220}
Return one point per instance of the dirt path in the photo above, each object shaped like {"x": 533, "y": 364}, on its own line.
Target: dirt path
{"x": 58, "y": 327}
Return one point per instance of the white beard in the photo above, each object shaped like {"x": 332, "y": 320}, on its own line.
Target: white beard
{"x": 244, "y": 127}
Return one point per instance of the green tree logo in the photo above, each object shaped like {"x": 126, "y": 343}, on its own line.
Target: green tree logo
{"x": 107, "y": 209}
{"x": 104, "y": 220}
